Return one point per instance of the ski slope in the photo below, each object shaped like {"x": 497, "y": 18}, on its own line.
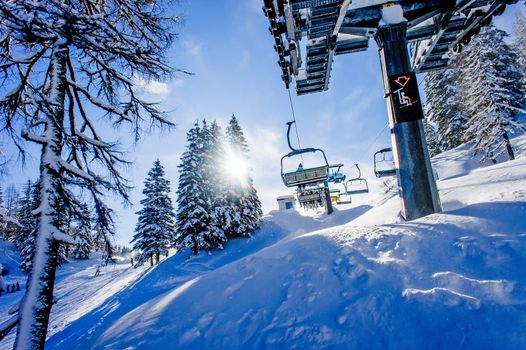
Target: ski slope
{"x": 359, "y": 279}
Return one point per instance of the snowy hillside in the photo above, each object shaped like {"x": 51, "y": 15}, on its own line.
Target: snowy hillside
{"x": 358, "y": 279}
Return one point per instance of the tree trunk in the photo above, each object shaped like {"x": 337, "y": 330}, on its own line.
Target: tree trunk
{"x": 151, "y": 260}
{"x": 506, "y": 138}
{"x": 38, "y": 300}
{"x": 158, "y": 256}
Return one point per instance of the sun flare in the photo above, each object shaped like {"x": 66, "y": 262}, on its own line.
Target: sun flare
{"x": 235, "y": 166}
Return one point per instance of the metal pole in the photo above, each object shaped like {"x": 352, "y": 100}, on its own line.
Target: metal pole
{"x": 328, "y": 202}
{"x": 416, "y": 183}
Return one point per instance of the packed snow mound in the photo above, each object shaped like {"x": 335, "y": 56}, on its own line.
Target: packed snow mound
{"x": 451, "y": 280}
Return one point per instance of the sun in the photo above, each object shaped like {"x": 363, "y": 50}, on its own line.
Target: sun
{"x": 235, "y": 166}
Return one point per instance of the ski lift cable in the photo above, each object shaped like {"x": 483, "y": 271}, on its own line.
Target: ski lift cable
{"x": 377, "y": 136}
{"x": 295, "y": 124}
{"x": 294, "y": 118}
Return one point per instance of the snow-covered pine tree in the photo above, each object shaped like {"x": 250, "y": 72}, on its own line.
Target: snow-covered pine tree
{"x": 431, "y": 138}
{"x": 193, "y": 214}
{"x": 155, "y": 228}
{"x": 26, "y": 232}
{"x": 28, "y": 250}
{"x": 492, "y": 93}
{"x": 214, "y": 236}
{"x": 83, "y": 234}
{"x": 3, "y": 212}
{"x": 443, "y": 104}
{"x": 245, "y": 198}
{"x": 11, "y": 207}
{"x": 519, "y": 43}
{"x": 60, "y": 62}
{"x": 8, "y": 222}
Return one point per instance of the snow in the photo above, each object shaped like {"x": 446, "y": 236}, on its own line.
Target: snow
{"x": 77, "y": 289}
{"x": 360, "y": 278}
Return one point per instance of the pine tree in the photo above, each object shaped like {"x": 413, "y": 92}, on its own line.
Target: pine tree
{"x": 25, "y": 239}
{"x": 443, "y": 104}
{"x": 493, "y": 93}
{"x": 214, "y": 236}
{"x": 154, "y": 232}
{"x": 242, "y": 193}
{"x": 83, "y": 235}
{"x": 193, "y": 204}
{"x": 431, "y": 138}
{"x": 61, "y": 62}
{"x": 11, "y": 207}
{"x": 519, "y": 43}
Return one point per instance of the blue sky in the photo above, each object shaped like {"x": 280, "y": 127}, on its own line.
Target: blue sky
{"x": 227, "y": 45}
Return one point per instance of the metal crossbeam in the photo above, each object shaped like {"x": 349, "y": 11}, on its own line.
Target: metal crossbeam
{"x": 327, "y": 28}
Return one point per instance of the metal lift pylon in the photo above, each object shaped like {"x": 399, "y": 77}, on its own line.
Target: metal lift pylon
{"x": 416, "y": 184}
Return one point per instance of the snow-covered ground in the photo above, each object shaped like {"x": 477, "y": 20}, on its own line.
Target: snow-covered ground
{"x": 78, "y": 289}
{"x": 358, "y": 279}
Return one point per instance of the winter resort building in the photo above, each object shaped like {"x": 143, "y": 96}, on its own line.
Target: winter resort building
{"x": 287, "y": 202}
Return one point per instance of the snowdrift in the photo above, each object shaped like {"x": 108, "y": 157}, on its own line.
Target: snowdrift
{"x": 360, "y": 279}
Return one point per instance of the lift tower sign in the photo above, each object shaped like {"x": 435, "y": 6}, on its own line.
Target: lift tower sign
{"x": 406, "y": 99}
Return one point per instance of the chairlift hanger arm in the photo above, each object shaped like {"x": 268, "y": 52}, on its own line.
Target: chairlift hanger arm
{"x": 289, "y": 125}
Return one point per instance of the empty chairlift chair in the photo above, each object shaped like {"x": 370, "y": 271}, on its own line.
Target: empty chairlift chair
{"x": 357, "y": 185}
{"x": 384, "y": 163}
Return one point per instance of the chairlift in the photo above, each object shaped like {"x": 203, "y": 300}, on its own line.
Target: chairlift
{"x": 357, "y": 185}
{"x": 384, "y": 163}
{"x": 335, "y": 174}
{"x": 304, "y": 176}
{"x": 344, "y": 198}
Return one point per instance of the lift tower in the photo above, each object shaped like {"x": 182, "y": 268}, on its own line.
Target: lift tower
{"x": 413, "y": 36}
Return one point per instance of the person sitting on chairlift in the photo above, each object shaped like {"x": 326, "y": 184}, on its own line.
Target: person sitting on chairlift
{"x": 300, "y": 167}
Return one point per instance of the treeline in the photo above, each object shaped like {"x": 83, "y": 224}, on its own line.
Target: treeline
{"x": 21, "y": 228}
{"x": 216, "y": 199}
{"x": 479, "y": 97}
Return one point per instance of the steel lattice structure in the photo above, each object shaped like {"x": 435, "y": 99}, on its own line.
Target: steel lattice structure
{"x": 309, "y": 33}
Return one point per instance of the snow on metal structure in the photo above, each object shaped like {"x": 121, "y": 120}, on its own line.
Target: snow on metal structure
{"x": 309, "y": 33}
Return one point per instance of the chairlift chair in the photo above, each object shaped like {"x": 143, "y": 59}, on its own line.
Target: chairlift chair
{"x": 384, "y": 163}
{"x": 344, "y": 198}
{"x": 335, "y": 174}
{"x": 308, "y": 176}
{"x": 357, "y": 185}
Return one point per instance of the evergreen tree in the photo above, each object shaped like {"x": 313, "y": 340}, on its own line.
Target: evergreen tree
{"x": 193, "y": 203}
{"x": 431, "y": 138}
{"x": 443, "y": 104}
{"x": 242, "y": 192}
{"x": 28, "y": 250}
{"x": 154, "y": 232}
{"x": 213, "y": 180}
{"x": 83, "y": 234}
{"x": 492, "y": 93}
{"x": 11, "y": 207}
{"x": 519, "y": 43}
{"x": 25, "y": 239}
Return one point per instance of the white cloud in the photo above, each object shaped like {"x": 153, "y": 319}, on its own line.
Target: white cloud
{"x": 153, "y": 87}
{"x": 177, "y": 83}
{"x": 192, "y": 48}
